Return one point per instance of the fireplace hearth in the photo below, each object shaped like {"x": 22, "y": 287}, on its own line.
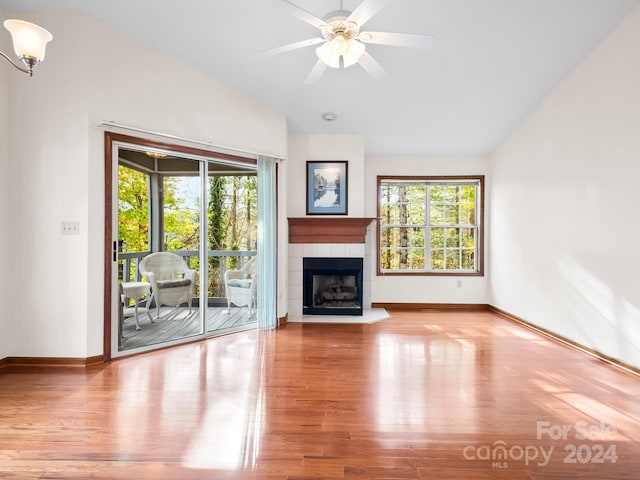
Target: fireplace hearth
{"x": 332, "y": 286}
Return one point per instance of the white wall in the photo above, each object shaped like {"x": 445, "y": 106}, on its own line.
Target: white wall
{"x": 564, "y": 198}
{"x": 6, "y": 232}
{"x": 363, "y": 202}
{"x": 302, "y": 148}
{"x": 324, "y": 147}
{"x": 425, "y": 289}
{"x": 92, "y": 73}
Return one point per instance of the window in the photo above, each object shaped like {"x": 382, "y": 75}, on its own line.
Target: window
{"x": 430, "y": 225}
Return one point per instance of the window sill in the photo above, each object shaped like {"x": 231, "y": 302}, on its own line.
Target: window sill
{"x": 428, "y": 274}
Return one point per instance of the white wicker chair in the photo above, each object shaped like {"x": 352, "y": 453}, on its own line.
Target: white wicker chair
{"x": 240, "y": 285}
{"x": 172, "y": 281}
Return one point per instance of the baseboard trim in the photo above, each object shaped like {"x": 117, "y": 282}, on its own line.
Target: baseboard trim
{"x": 51, "y": 361}
{"x": 566, "y": 341}
{"x": 514, "y": 318}
{"x": 430, "y": 306}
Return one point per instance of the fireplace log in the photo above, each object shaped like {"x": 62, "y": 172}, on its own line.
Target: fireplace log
{"x": 339, "y": 292}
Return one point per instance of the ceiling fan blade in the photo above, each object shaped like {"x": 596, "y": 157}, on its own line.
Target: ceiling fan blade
{"x": 397, "y": 39}
{"x": 291, "y": 46}
{"x": 302, "y": 14}
{"x": 372, "y": 67}
{"x": 315, "y": 73}
{"x": 366, "y": 10}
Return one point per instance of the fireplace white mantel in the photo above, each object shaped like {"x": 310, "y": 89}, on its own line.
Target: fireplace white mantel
{"x": 327, "y": 237}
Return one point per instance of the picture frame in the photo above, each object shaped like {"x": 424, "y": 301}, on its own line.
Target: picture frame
{"x": 327, "y": 187}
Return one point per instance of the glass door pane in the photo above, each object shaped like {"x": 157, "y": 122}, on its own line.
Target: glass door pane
{"x": 159, "y": 230}
{"x": 232, "y": 243}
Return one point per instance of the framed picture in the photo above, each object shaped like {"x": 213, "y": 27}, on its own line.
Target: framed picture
{"x": 327, "y": 188}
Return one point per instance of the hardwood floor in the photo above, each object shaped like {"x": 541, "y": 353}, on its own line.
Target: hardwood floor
{"x": 419, "y": 395}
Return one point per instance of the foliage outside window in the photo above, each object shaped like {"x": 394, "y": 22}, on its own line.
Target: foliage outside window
{"x": 231, "y": 212}
{"x": 232, "y": 216}
{"x": 133, "y": 210}
{"x": 430, "y": 225}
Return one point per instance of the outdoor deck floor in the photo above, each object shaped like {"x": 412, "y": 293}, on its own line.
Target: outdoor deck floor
{"x": 176, "y": 323}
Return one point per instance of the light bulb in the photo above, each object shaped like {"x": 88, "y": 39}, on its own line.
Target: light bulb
{"x": 338, "y": 46}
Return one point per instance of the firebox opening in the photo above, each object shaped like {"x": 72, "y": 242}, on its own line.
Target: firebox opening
{"x": 332, "y": 286}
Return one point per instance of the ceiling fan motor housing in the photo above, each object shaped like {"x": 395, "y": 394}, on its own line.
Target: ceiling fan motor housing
{"x": 337, "y": 24}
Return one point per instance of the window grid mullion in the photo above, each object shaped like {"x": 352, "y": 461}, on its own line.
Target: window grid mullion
{"x": 427, "y": 230}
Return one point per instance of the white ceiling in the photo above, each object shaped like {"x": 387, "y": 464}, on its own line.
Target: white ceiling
{"x": 493, "y": 61}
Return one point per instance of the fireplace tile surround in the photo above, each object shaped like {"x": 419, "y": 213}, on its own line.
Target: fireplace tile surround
{"x": 297, "y": 251}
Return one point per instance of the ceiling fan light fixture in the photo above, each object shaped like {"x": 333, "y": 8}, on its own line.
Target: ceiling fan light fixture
{"x": 325, "y": 54}
{"x": 353, "y": 53}
{"x": 340, "y": 51}
{"x": 338, "y": 46}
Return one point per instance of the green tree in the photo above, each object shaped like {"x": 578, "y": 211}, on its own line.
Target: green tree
{"x": 403, "y": 218}
{"x": 181, "y": 221}
{"x": 133, "y": 210}
{"x": 251, "y": 211}
{"x": 217, "y": 227}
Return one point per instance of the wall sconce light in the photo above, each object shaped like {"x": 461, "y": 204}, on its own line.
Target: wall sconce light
{"x": 29, "y": 43}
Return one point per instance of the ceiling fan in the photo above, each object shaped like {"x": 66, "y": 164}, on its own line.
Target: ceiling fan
{"x": 343, "y": 42}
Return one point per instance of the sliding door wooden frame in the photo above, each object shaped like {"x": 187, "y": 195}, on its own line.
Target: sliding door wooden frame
{"x": 110, "y": 254}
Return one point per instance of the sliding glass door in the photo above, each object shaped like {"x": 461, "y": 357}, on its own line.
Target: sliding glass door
{"x": 184, "y": 238}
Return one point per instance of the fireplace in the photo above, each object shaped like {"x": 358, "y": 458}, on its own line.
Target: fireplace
{"x": 332, "y": 286}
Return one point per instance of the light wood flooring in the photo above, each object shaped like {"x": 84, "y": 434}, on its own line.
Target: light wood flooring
{"x": 176, "y": 323}
{"x": 419, "y": 395}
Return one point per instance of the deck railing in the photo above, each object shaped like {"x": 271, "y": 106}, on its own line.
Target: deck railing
{"x": 129, "y": 270}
